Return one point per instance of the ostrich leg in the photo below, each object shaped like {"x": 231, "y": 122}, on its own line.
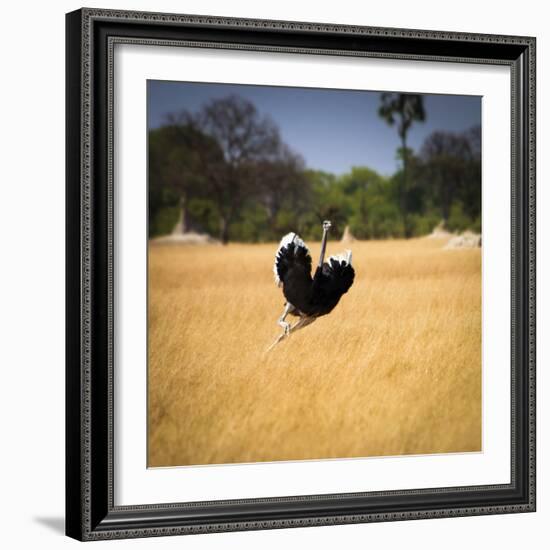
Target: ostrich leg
{"x": 301, "y": 323}
{"x": 286, "y": 326}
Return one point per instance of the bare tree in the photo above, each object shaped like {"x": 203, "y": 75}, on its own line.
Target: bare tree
{"x": 452, "y": 168}
{"x": 244, "y": 140}
{"x": 230, "y": 156}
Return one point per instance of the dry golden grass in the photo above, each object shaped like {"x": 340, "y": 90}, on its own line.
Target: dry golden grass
{"x": 394, "y": 369}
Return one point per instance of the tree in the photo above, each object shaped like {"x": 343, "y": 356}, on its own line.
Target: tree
{"x": 228, "y": 167}
{"x": 360, "y": 178}
{"x": 452, "y": 170}
{"x": 471, "y": 193}
{"x": 282, "y": 185}
{"x": 403, "y": 109}
{"x": 328, "y": 202}
{"x": 244, "y": 139}
{"x": 175, "y": 152}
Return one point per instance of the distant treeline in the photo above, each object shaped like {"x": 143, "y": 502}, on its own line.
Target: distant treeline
{"x": 228, "y": 170}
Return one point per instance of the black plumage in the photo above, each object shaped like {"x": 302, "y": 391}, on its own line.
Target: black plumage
{"x": 306, "y": 296}
{"x": 317, "y": 295}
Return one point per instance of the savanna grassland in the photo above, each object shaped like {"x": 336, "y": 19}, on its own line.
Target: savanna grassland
{"x": 394, "y": 369}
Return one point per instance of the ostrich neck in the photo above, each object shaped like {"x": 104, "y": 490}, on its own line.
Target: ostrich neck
{"x": 323, "y": 247}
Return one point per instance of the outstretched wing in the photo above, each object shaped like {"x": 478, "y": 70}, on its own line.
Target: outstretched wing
{"x": 292, "y": 261}
{"x": 338, "y": 274}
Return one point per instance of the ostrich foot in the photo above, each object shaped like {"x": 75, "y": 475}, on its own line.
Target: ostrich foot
{"x": 286, "y": 328}
{"x": 301, "y": 323}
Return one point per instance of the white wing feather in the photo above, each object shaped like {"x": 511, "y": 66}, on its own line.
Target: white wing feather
{"x": 285, "y": 241}
{"x": 343, "y": 257}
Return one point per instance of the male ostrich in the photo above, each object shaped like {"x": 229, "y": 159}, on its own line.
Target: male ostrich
{"x": 307, "y": 297}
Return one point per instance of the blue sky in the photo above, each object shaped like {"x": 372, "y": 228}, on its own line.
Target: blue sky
{"x": 333, "y": 130}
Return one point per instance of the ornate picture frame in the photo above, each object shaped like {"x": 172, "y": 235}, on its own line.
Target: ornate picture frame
{"x": 91, "y": 511}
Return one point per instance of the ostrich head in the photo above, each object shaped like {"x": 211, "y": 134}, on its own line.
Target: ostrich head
{"x": 326, "y": 225}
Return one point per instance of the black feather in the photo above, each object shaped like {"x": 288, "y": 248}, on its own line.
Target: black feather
{"x": 311, "y": 296}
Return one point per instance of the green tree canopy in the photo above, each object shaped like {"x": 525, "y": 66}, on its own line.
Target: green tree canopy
{"x": 226, "y": 170}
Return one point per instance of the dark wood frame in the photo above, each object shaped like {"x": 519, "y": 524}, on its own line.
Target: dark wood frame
{"x": 90, "y": 510}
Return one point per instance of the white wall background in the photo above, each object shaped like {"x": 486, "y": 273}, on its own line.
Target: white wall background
{"x": 32, "y": 272}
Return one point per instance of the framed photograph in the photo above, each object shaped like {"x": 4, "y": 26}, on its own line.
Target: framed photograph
{"x": 300, "y": 274}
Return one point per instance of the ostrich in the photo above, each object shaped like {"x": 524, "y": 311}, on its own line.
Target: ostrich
{"x": 307, "y": 297}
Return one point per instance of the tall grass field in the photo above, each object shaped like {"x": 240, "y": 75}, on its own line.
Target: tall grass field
{"x": 394, "y": 369}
